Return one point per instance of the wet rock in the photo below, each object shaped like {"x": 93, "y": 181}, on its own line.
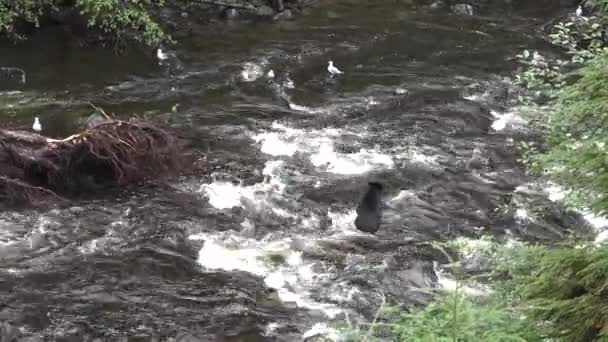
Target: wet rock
{"x": 278, "y": 5}
{"x": 93, "y": 120}
{"x": 8, "y": 333}
{"x": 313, "y": 249}
{"x": 477, "y": 263}
{"x": 476, "y": 161}
{"x": 187, "y": 337}
{"x": 324, "y": 221}
{"x": 540, "y": 219}
{"x": 77, "y": 210}
{"x": 264, "y": 11}
{"x": 462, "y": 9}
{"x": 317, "y": 338}
{"x": 32, "y": 339}
{"x": 284, "y": 15}
{"x": 417, "y": 274}
{"x": 437, "y": 5}
{"x": 38, "y": 240}
{"x": 12, "y": 74}
{"x": 230, "y": 13}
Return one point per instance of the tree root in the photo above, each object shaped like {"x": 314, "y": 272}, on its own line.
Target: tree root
{"x": 113, "y": 153}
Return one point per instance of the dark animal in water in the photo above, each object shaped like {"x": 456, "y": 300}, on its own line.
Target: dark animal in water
{"x": 369, "y": 211}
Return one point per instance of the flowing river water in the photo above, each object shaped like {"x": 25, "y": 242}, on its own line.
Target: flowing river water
{"x": 262, "y": 246}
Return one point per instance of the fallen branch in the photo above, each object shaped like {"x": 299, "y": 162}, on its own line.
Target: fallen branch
{"x": 100, "y": 111}
{"x": 16, "y": 192}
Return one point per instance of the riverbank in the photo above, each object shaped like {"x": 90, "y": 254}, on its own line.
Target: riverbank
{"x": 156, "y": 23}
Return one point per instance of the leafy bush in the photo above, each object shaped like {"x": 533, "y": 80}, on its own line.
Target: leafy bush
{"x": 577, "y": 137}
{"x": 581, "y": 40}
{"x": 29, "y": 11}
{"x": 540, "y": 294}
{"x": 119, "y": 20}
{"x": 117, "y": 17}
{"x": 455, "y": 317}
{"x": 563, "y": 289}
{"x": 575, "y": 114}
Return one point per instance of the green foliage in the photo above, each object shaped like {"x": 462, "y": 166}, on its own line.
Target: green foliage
{"x": 118, "y": 20}
{"x": 574, "y": 98}
{"x": 581, "y": 39}
{"x": 26, "y": 10}
{"x": 455, "y": 317}
{"x": 541, "y": 78}
{"x": 600, "y": 6}
{"x": 117, "y": 17}
{"x": 563, "y": 289}
{"x": 539, "y": 294}
{"x": 576, "y": 137}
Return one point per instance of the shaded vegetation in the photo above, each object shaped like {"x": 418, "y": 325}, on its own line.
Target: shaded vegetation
{"x": 115, "y": 20}
{"x": 537, "y": 294}
{"x": 573, "y": 96}
{"x": 562, "y": 289}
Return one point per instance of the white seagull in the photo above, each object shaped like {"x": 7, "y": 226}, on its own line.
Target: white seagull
{"x": 579, "y": 11}
{"x": 270, "y": 74}
{"x": 37, "y": 126}
{"x": 161, "y": 55}
{"x": 332, "y": 69}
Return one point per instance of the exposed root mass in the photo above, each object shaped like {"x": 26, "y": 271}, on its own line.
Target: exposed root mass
{"x": 33, "y": 167}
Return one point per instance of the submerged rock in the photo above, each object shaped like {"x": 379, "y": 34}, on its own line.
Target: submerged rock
{"x": 284, "y": 15}
{"x": 463, "y": 9}
{"x": 8, "y": 332}
{"x": 230, "y": 13}
{"x": 437, "y": 5}
{"x": 264, "y": 11}
{"x": 93, "y": 120}
{"x": 12, "y": 76}
{"x": 278, "y": 5}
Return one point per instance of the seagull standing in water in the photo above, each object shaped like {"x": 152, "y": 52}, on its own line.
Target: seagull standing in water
{"x": 332, "y": 69}
{"x": 37, "y": 126}
{"x": 579, "y": 13}
{"x": 161, "y": 55}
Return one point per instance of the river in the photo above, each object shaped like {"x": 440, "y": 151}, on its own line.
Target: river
{"x": 261, "y": 246}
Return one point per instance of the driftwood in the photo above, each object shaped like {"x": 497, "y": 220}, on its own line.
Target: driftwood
{"x": 34, "y": 168}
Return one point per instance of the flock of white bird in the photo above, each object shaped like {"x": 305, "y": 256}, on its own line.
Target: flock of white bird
{"x": 331, "y": 68}
{"x": 163, "y": 56}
